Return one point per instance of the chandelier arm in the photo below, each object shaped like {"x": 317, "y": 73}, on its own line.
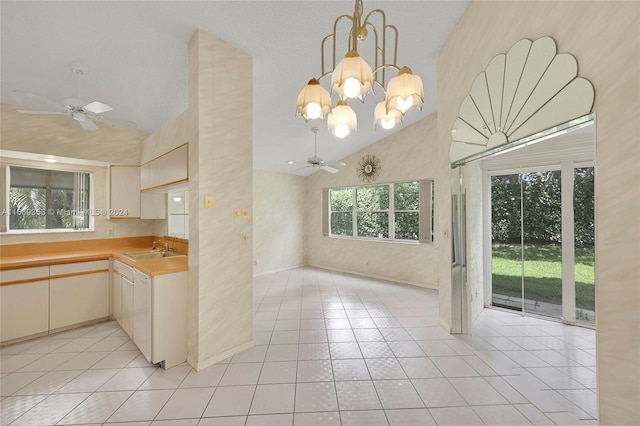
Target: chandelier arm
{"x": 333, "y": 35}
{"x": 382, "y": 69}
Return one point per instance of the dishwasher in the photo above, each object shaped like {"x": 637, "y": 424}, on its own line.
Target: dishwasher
{"x": 142, "y": 313}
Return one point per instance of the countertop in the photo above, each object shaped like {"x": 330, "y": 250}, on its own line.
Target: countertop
{"x": 160, "y": 266}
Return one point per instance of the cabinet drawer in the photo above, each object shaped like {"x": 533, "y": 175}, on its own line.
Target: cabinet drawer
{"x": 71, "y": 268}
{"x": 11, "y": 275}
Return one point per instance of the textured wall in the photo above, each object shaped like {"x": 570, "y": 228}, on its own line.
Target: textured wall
{"x": 60, "y": 135}
{"x": 405, "y": 155}
{"x": 278, "y": 221}
{"x": 605, "y": 39}
{"x": 225, "y": 168}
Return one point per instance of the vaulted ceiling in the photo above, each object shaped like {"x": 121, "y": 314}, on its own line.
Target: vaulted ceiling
{"x": 137, "y": 58}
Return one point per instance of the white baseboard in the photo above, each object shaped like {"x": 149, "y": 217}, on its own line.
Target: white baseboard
{"x": 219, "y": 357}
{"x": 288, "y": 268}
{"x": 378, "y": 277}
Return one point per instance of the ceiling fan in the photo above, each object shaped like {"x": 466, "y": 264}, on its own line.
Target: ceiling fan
{"x": 85, "y": 113}
{"x": 317, "y": 162}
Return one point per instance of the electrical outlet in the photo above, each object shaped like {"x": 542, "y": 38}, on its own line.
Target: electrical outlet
{"x": 208, "y": 201}
{"x": 110, "y": 232}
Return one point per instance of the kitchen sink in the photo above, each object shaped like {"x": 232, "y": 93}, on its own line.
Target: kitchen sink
{"x": 150, "y": 254}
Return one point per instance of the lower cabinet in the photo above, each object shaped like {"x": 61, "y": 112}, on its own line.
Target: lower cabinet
{"x": 37, "y": 301}
{"x": 153, "y": 312}
{"x": 78, "y": 292}
{"x": 24, "y": 303}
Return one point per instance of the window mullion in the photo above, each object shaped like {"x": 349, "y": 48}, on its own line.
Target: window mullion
{"x": 354, "y": 212}
{"x": 392, "y": 212}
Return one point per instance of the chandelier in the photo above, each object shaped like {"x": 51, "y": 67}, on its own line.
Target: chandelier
{"x": 354, "y": 78}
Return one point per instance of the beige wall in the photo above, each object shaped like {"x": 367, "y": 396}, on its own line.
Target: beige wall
{"x": 278, "y": 221}
{"x": 61, "y": 136}
{"x": 604, "y": 37}
{"x": 405, "y": 155}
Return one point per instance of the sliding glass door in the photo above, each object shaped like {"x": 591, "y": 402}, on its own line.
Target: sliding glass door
{"x": 542, "y": 250}
{"x": 528, "y": 212}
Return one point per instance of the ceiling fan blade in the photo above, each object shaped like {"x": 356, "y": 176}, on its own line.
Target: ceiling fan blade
{"x": 33, "y": 112}
{"x": 88, "y": 125}
{"x": 97, "y": 107}
{"x": 115, "y": 122}
{"x": 329, "y": 169}
{"x": 335, "y": 163}
{"x": 301, "y": 168}
{"x": 49, "y": 102}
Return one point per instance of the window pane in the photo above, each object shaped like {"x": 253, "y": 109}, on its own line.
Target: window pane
{"x": 406, "y": 225}
{"x": 373, "y": 197}
{"x": 373, "y": 224}
{"x": 342, "y": 223}
{"x": 27, "y": 208}
{"x": 406, "y": 196}
{"x": 48, "y": 199}
{"x": 341, "y": 199}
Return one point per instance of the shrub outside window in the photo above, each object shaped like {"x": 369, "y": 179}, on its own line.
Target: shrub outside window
{"x": 393, "y": 211}
{"x": 42, "y": 199}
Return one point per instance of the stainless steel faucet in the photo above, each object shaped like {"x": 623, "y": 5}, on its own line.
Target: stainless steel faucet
{"x": 161, "y": 243}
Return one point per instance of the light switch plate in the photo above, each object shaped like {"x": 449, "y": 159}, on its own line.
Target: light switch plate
{"x": 245, "y": 214}
{"x": 237, "y": 213}
{"x": 208, "y": 201}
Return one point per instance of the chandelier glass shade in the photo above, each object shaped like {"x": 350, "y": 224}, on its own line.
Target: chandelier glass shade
{"x": 314, "y": 101}
{"x": 387, "y": 120}
{"x": 353, "y": 77}
{"x": 342, "y": 120}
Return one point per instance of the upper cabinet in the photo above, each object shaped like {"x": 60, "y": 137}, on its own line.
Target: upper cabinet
{"x": 124, "y": 192}
{"x": 168, "y": 169}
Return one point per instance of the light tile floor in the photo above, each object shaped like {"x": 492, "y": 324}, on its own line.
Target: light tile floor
{"x": 331, "y": 349}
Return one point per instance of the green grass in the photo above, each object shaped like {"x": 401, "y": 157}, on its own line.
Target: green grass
{"x": 543, "y": 273}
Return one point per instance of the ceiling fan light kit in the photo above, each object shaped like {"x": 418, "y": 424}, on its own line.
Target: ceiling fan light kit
{"x": 354, "y": 78}
{"x": 316, "y": 162}
{"x": 85, "y": 113}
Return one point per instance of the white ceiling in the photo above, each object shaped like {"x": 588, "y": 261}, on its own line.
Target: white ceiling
{"x": 137, "y": 58}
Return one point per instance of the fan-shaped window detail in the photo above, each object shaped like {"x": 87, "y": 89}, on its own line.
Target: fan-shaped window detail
{"x": 523, "y": 92}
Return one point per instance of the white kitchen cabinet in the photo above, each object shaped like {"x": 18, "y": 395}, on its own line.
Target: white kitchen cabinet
{"x": 145, "y": 169}
{"x": 142, "y": 313}
{"x": 153, "y": 205}
{"x": 78, "y": 292}
{"x": 169, "y": 319}
{"x": 168, "y": 169}
{"x": 124, "y": 192}
{"x": 24, "y": 303}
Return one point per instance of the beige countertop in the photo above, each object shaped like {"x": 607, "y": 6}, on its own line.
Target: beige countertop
{"x": 165, "y": 265}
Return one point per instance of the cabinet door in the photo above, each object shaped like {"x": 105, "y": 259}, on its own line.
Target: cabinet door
{"x": 142, "y": 313}
{"x": 24, "y": 309}
{"x": 125, "y": 192}
{"x": 117, "y": 297}
{"x": 127, "y": 306}
{"x": 153, "y": 205}
{"x": 79, "y": 292}
{"x": 169, "y": 168}
{"x": 24, "y": 302}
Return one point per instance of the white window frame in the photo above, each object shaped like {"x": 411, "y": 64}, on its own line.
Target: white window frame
{"x": 425, "y": 213}
{"x": 5, "y": 188}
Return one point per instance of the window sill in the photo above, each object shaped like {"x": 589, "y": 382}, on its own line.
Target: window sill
{"x": 45, "y": 231}
{"x": 378, "y": 240}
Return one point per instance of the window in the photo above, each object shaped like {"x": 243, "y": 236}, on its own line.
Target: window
{"x": 41, "y": 199}
{"x": 394, "y": 211}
